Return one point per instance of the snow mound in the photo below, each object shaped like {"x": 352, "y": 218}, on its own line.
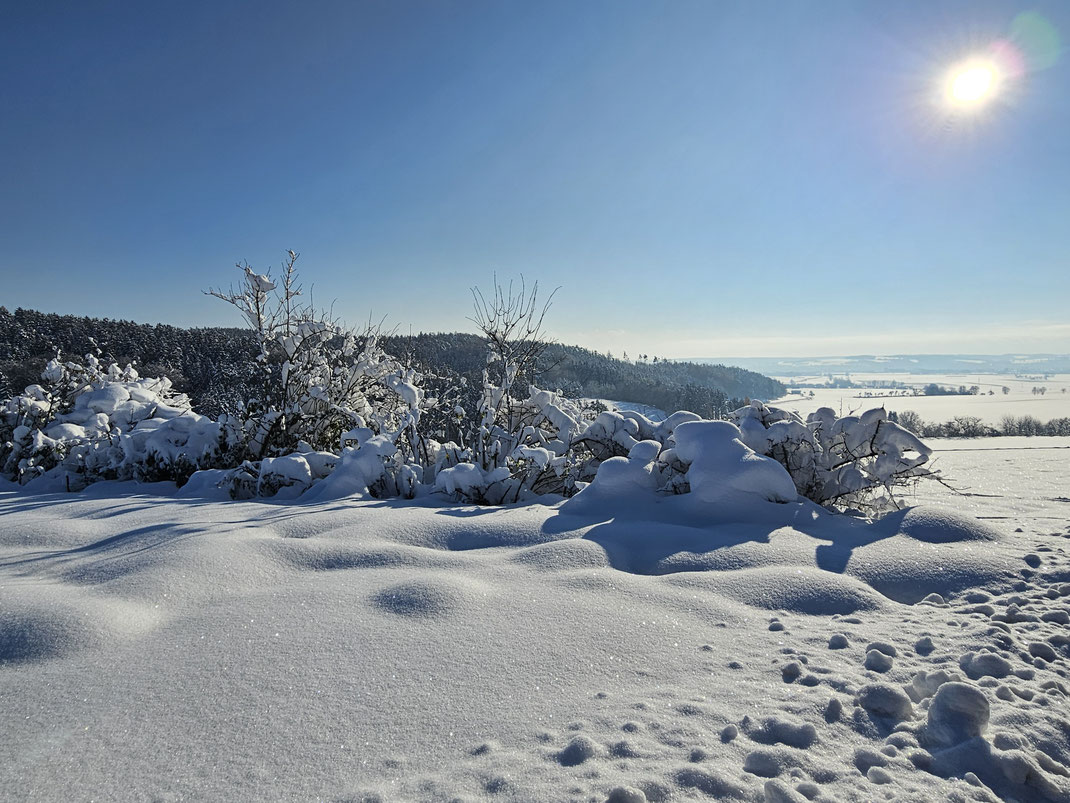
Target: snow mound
{"x": 579, "y": 750}
{"x": 321, "y": 555}
{"x": 776, "y": 588}
{"x": 556, "y": 556}
{"x": 724, "y": 471}
{"x": 429, "y": 598}
{"x": 52, "y": 624}
{"x": 958, "y": 712}
{"x": 940, "y": 526}
{"x": 908, "y": 570}
{"x": 781, "y": 730}
{"x": 31, "y": 632}
{"x": 885, "y": 700}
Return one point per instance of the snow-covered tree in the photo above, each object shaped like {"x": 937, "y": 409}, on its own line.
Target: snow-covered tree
{"x": 325, "y": 386}
{"x": 515, "y": 444}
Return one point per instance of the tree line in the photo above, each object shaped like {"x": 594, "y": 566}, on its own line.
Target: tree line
{"x": 212, "y": 365}
{"x": 971, "y": 426}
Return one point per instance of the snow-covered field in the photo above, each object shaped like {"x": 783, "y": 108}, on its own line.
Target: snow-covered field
{"x": 1019, "y": 401}
{"x": 159, "y": 646}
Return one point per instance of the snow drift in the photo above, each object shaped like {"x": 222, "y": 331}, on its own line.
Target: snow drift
{"x": 622, "y": 645}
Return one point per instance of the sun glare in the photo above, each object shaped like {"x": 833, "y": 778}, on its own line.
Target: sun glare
{"x": 971, "y": 85}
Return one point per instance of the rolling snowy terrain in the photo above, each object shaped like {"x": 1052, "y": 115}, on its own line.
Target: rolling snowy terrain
{"x": 163, "y": 646}
{"x": 903, "y": 364}
{"x": 990, "y": 405}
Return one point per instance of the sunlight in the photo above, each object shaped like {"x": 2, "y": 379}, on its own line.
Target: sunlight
{"x": 972, "y": 84}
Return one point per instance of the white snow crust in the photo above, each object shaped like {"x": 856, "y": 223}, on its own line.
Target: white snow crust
{"x": 732, "y": 643}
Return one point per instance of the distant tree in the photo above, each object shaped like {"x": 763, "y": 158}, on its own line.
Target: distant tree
{"x": 1030, "y": 425}
{"x": 908, "y": 419}
{"x": 965, "y": 426}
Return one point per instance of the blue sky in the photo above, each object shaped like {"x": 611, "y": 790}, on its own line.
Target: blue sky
{"x": 699, "y": 178}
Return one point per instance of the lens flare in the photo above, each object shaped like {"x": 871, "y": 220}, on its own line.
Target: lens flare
{"x": 1037, "y": 39}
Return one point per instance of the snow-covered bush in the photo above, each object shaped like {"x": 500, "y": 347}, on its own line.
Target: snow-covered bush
{"x": 322, "y": 382}
{"x": 517, "y": 444}
{"x": 88, "y": 423}
{"x": 529, "y": 453}
{"x": 288, "y": 475}
{"x": 336, "y": 415}
{"x": 704, "y": 460}
{"x": 853, "y": 462}
{"x": 540, "y": 443}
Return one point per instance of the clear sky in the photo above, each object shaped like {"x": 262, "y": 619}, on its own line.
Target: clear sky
{"x": 705, "y": 178}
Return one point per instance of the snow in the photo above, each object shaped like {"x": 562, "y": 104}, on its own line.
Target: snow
{"x": 125, "y": 427}
{"x": 724, "y": 470}
{"x": 260, "y": 281}
{"x": 645, "y": 410}
{"x": 1020, "y": 400}
{"x": 621, "y": 646}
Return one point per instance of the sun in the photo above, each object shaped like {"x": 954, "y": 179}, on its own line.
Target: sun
{"x": 972, "y": 84}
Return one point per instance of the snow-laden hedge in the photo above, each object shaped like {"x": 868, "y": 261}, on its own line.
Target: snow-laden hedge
{"x": 85, "y": 423}
{"x": 338, "y": 416}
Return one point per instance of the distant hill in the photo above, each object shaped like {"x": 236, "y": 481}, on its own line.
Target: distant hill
{"x": 214, "y": 365}
{"x": 709, "y": 390}
{"x": 1025, "y": 364}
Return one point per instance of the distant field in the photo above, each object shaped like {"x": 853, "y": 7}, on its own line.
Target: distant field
{"x": 1002, "y": 477}
{"x": 1019, "y": 401}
